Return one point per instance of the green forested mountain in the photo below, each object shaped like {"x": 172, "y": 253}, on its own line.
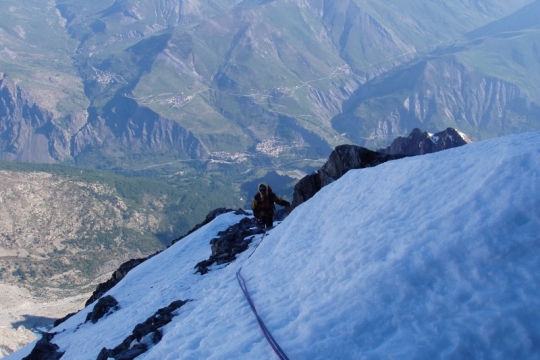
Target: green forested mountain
{"x": 138, "y": 82}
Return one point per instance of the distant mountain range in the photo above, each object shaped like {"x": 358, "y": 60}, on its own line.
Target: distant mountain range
{"x": 134, "y": 83}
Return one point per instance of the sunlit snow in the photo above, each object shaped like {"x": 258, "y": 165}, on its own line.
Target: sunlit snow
{"x": 433, "y": 256}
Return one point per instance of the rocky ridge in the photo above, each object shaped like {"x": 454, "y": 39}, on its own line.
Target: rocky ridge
{"x": 236, "y": 238}
{"x": 233, "y": 239}
{"x": 225, "y": 247}
{"x": 421, "y": 142}
{"x": 347, "y": 157}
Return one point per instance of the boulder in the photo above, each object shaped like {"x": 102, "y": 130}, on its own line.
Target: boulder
{"x": 44, "y": 349}
{"x": 229, "y": 243}
{"x": 144, "y": 335}
{"x": 421, "y": 142}
{"x": 103, "y": 307}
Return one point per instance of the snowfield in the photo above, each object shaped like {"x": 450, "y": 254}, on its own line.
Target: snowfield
{"x": 430, "y": 257}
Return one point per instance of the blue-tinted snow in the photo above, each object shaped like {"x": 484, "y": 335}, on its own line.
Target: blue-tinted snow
{"x": 434, "y": 256}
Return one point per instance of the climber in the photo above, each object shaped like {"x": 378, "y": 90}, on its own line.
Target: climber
{"x": 263, "y": 206}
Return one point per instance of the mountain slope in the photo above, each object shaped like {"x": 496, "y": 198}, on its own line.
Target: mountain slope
{"x": 62, "y": 227}
{"x": 443, "y": 91}
{"x": 54, "y": 229}
{"x": 386, "y": 262}
{"x": 136, "y": 81}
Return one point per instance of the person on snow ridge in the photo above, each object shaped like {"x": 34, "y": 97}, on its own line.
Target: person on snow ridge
{"x": 263, "y": 205}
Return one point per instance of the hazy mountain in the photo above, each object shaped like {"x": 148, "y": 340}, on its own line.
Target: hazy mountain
{"x": 212, "y": 97}
{"x": 135, "y": 81}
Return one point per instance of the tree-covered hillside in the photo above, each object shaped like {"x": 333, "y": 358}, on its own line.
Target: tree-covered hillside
{"x": 63, "y": 226}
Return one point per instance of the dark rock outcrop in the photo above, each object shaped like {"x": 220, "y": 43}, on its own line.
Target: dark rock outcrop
{"x": 62, "y": 319}
{"x": 118, "y": 275}
{"x": 104, "y": 306}
{"x": 126, "y": 267}
{"x": 347, "y": 157}
{"x": 421, "y": 142}
{"x": 143, "y": 336}
{"x": 341, "y": 160}
{"x": 211, "y": 216}
{"x": 27, "y": 130}
{"x": 230, "y": 242}
{"x": 122, "y": 271}
{"x": 44, "y": 349}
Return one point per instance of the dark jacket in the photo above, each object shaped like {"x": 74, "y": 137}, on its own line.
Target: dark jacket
{"x": 263, "y": 202}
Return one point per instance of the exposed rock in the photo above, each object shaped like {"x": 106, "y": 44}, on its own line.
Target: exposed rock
{"x": 44, "y": 349}
{"x": 347, "y": 157}
{"x": 230, "y": 242}
{"x": 62, "y": 319}
{"x": 118, "y": 275}
{"x": 104, "y": 306}
{"x": 122, "y": 271}
{"x": 144, "y": 335}
{"x": 211, "y": 216}
{"x": 128, "y": 129}
{"x": 341, "y": 160}
{"x": 27, "y": 130}
{"x": 446, "y": 92}
{"x": 420, "y": 142}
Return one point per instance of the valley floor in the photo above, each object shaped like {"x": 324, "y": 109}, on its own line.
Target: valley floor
{"x": 21, "y": 311}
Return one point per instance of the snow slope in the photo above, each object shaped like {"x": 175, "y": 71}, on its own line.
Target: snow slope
{"x": 435, "y": 256}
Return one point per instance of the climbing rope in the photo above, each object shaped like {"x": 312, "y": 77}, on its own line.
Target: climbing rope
{"x": 242, "y": 282}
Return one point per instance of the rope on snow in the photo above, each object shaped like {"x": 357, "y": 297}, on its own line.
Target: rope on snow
{"x": 242, "y": 282}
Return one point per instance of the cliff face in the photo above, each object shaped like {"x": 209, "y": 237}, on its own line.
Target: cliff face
{"x": 436, "y": 94}
{"x": 29, "y": 132}
{"x": 127, "y": 128}
{"x": 451, "y": 90}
